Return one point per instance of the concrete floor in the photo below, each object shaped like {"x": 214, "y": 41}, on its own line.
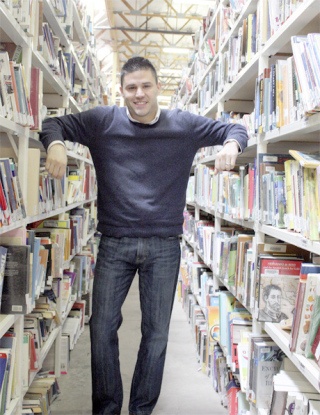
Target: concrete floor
{"x": 185, "y": 390}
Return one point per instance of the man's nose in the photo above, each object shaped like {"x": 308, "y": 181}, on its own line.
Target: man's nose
{"x": 139, "y": 92}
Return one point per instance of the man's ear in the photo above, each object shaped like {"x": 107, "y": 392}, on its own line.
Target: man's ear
{"x": 121, "y": 90}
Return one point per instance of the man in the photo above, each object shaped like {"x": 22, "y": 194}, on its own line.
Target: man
{"x": 142, "y": 158}
{"x": 272, "y": 296}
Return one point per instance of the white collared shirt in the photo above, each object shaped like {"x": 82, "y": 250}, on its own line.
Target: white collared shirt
{"x": 149, "y": 123}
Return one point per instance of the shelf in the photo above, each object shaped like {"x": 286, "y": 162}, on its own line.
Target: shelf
{"x": 235, "y": 90}
{"x": 307, "y": 367}
{"x": 78, "y": 26}
{"x": 243, "y": 83}
{"x": 12, "y": 409}
{"x": 14, "y": 225}
{"x": 9, "y": 25}
{"x": 292, "y": 132}
{"x": 48, "y": 344}
{"x": 16, "y": 139}
{"x": 79, "y": 68}
{"x": 291, "y": 237}
{"x": 45, "y": 215}
{"x": 11, "y": 127}
{"x": 292, "y": 26}
{"x": 55, "y": 23}
{"x": 7, "y": 321}
{"x": 43, "y": 353}
{"x": 76, "y": 156}
{"x": 54, "y": 84}
{"x": 74, "y": 105}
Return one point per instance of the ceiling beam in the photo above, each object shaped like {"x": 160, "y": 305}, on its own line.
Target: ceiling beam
{"x": 134, "y": 29}
{"x": 162, "y": 15}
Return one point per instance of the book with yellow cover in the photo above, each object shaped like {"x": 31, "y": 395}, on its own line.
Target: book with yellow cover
{"x": 306, "y": 160}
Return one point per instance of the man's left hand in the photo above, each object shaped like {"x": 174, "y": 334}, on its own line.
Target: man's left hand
{"x": 226, "y": 158}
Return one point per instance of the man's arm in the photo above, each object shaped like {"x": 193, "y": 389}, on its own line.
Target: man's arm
{"x": 73, "y": 127}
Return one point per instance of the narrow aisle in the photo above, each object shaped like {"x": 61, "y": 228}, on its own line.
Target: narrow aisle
{"x": 185, "y": 390}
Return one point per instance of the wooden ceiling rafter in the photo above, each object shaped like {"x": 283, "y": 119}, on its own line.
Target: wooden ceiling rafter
{"x": 146, "y": 5}
{"x": 160, "y": 15}
{"x": 127, "y": 4}
{"x": 126, "y": 20}
{"x": 144, "y": 28}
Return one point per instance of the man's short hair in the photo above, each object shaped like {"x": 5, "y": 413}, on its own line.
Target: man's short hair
{"x": 137, "y": 64}
{"x": 268, "y": 288}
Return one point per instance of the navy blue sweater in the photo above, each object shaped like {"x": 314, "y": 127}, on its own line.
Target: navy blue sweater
{"x": 142, "y": 170}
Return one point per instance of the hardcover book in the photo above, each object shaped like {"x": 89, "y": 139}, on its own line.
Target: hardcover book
{"x": 267, "y": 357}
{"x": 278, "y": 283}
{"x": 300, "y": 311}
{"x": 15, "y": 294}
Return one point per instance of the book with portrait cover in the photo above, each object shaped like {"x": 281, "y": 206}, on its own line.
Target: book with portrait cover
{"x": 278, "y": 278}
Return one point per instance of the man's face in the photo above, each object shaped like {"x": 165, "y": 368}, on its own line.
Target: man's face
{"x": 274, "y": 300}
{"x": 140, "y": 92}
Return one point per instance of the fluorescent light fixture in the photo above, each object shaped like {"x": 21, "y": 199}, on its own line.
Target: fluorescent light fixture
{"x": 164, "y": 98}
{"x": 170, "y": 71}
{"x": 184, "y": 51}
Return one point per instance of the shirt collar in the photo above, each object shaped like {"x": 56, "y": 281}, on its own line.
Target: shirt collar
{"x": 149, "y": 123}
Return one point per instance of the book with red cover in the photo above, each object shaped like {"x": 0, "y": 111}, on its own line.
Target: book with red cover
{"x": 35, "y": 97}
{"x": 233, "y": 388}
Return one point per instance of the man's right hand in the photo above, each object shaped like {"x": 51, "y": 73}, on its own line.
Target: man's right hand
{"x": 56, "y": 162}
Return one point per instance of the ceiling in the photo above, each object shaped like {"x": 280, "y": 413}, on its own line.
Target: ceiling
{"x": 125, "y": 28}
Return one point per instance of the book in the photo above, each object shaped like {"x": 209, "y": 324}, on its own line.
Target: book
{"x": 5, "y": 365}
{"x": 278, "y": 283}
{"x": 313, "y": 337}
{"x": 226, "y": 304}
{"x": 213, "y": 313}
{"x": 9, "y": 341}
{"x": 32, "y": 199}
{"x": 311, "y": 216}
{"x": 15, "y": 294}
{"x": 305, "y": 270}
{"x": 308, "y": 88}
{"x": 306, "y": 160}
{"x": 232, "y": 388}
{"x": 315, "y": 346}
{"x": 267, "y": 357}
{"x": 6, "y": 178}
{"x": 239, "y": 322}
{"x": 313, "y": 280}
{"x": 5, "y": 213}
{"x": 265, "y": 164}
{"x": 286, "y": 386}
{"x": 36, "y": 82}
{"x": 3, "y": 258}
{"x": 6, "y": 85}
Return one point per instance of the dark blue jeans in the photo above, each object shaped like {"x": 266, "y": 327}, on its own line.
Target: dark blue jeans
{"x": 157, "y": 262}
